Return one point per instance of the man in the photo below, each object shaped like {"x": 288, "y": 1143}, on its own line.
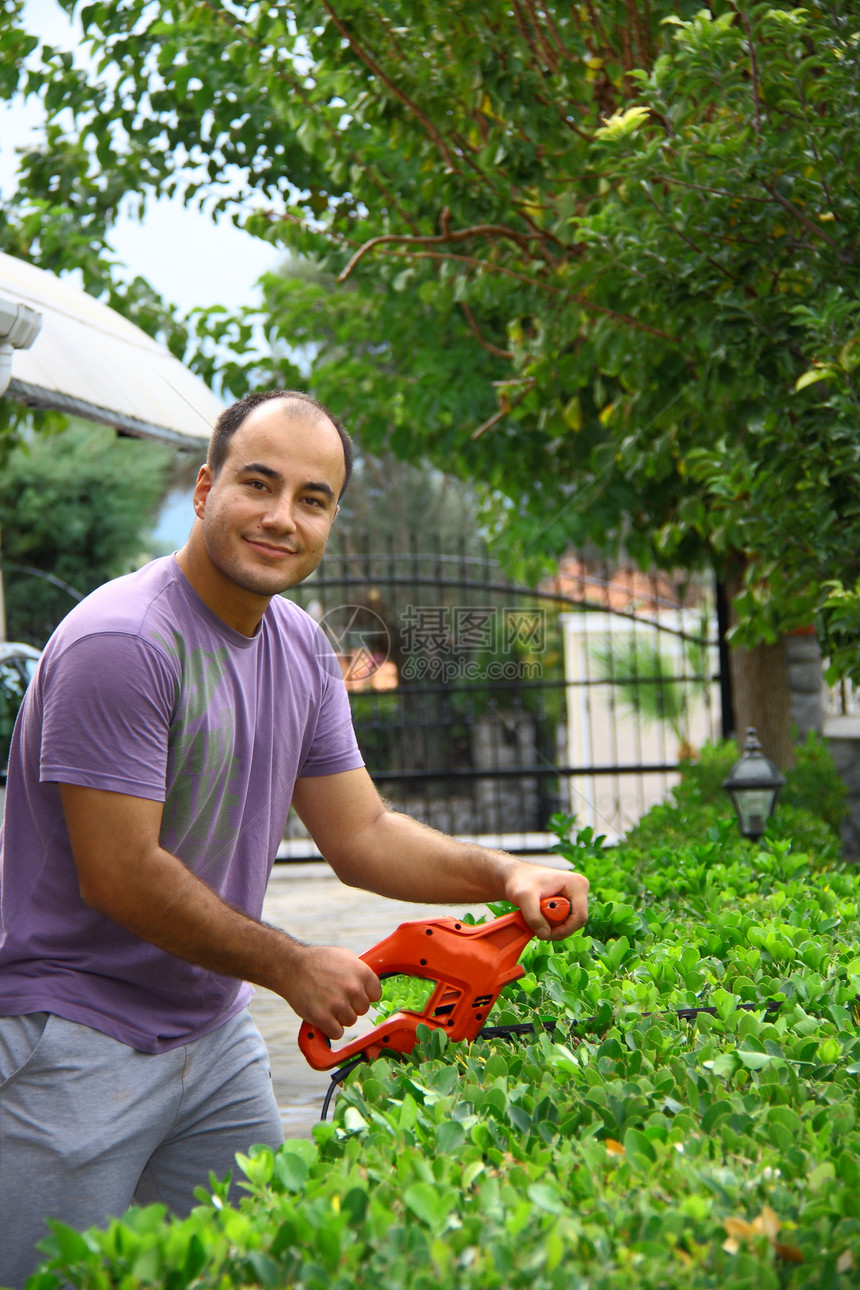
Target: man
{"x": 176, "y": 714}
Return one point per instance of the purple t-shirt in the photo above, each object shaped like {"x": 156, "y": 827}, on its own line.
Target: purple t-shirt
{"x": 143, "y": 690}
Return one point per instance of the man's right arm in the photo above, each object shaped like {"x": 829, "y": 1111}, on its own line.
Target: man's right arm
{"x": 126, "y": 875}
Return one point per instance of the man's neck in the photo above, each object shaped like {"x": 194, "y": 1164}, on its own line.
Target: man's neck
{"x": 241, "y": 611}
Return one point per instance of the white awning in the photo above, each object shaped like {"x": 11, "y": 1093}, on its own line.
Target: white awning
{"x": 89, "y": 361}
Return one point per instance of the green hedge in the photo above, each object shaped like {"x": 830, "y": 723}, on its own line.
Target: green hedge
{"x": 628, "y": 1148}
{"x": 811, "y": 806}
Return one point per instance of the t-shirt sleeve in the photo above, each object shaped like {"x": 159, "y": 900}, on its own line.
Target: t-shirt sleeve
{"x": 106, "y": 703}
{"x": 334, "y": 747}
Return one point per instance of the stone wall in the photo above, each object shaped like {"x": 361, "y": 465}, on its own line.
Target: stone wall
{"x": 804, "y": 664}
{"x": 843, "y": 739}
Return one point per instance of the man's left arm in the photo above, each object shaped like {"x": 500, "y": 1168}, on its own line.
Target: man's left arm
{"x": 379, "y": 850}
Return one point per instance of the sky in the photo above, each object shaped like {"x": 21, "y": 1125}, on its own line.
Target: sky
{"x": 189, "y": 259}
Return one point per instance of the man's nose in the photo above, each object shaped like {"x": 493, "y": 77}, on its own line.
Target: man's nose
{"x": 280, "y": 515}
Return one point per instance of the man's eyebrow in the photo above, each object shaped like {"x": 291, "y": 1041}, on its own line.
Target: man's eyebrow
{"x": 312, "y": 486}
{"x": 257, "y": 468}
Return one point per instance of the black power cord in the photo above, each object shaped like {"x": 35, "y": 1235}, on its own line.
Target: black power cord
{"x": 338, "y": 1077}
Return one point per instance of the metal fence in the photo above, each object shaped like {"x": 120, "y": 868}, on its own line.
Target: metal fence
{"x": 483, "y": 707}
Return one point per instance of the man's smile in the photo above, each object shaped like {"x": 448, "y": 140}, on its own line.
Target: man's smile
{"x": 270, "y": 548}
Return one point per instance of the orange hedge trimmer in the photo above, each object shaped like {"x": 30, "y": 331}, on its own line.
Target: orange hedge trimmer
{"x": 470, "y": 965}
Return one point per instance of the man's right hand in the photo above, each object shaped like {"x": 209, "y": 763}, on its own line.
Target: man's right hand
{"x": 330, "y": 988}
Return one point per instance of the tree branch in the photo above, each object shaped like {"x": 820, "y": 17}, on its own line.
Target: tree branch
{"x": 386, "y": 80}
{"x": 543, "y": 234}
{"x": 642, "y": 28}
{"x": 753, "y": 75}
{"x": 526, "y": 35}
{"x": 438, "y": 239}
{"x": 665, "y": 178}
{"x": 596, "y": 25}
{"x": 550, "y": 56}
{"x": 563, "y": 111}
{"x": 688, "y": 241}
{"x": 470, "y": 161}
{"x": 504, "y": 271}
{"x": 485, "y": 344}
{"x": 846, "y": 256}
{"x": 503, "y": 412}
{"x": 476, "y": 264}
{"x": 626, "y": 44}
{"x": 554, "y": 31}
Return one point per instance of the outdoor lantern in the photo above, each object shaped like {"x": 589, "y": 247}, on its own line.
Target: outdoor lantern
{"x": 753, "y": 786}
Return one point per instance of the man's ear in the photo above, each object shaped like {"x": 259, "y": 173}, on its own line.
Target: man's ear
{"x": 202, "y": 487}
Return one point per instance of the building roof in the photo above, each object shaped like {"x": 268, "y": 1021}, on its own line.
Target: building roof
{"x": 89, "y": 361}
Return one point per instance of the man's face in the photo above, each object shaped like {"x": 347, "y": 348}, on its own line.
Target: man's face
{"x": 268, "y": 513}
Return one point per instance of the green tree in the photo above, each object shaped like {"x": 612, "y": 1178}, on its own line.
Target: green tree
{"x": 75, "y": 507}
{"x": 601, "y": 258}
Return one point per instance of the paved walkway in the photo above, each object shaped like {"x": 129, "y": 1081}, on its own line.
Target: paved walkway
{"x": 309, "y": 901}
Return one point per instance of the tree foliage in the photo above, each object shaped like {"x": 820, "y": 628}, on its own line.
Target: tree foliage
{"x": 75, "y": 507}
{"x": 600, "y": 257}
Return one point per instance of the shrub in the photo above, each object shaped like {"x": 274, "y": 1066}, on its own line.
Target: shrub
{"x": 692, "y": 1117}
{"x": 814, "y": 784}
{"x": 809, "y": 810}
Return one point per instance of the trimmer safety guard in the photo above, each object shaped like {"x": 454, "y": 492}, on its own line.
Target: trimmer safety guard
{"x": 469, "y": 964}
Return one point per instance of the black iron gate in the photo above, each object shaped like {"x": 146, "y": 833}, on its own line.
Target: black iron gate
{"x": 483, "y": 707}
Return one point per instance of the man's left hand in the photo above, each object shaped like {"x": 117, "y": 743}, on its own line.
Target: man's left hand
{"x": 528, "y": 884}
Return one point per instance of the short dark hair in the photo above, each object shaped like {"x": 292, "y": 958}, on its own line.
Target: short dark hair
{"x": 231, "y": 419}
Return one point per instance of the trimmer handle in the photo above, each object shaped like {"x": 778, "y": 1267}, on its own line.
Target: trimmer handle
{"x": 470, "y": 965}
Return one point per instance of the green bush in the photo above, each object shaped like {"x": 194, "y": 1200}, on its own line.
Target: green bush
{"x": 814, "y": 784}
{"x": 74, "y": 507}
{"x": 630, "y": 1148}
{"x": 809, "y": 811}
{"x": 702, "y": 777}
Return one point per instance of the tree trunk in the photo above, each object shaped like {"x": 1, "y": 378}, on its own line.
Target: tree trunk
{"x": 762, "y": 699}
{"x": 761, "y": 696}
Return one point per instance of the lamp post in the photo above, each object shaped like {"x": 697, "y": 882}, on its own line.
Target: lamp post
{"x": 753, "y": 785}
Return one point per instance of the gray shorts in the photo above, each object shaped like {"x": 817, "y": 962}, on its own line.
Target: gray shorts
{"x": 89, "y": 1126}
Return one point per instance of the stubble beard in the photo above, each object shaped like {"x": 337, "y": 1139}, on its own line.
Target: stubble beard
{"x": 257, "y": 582}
